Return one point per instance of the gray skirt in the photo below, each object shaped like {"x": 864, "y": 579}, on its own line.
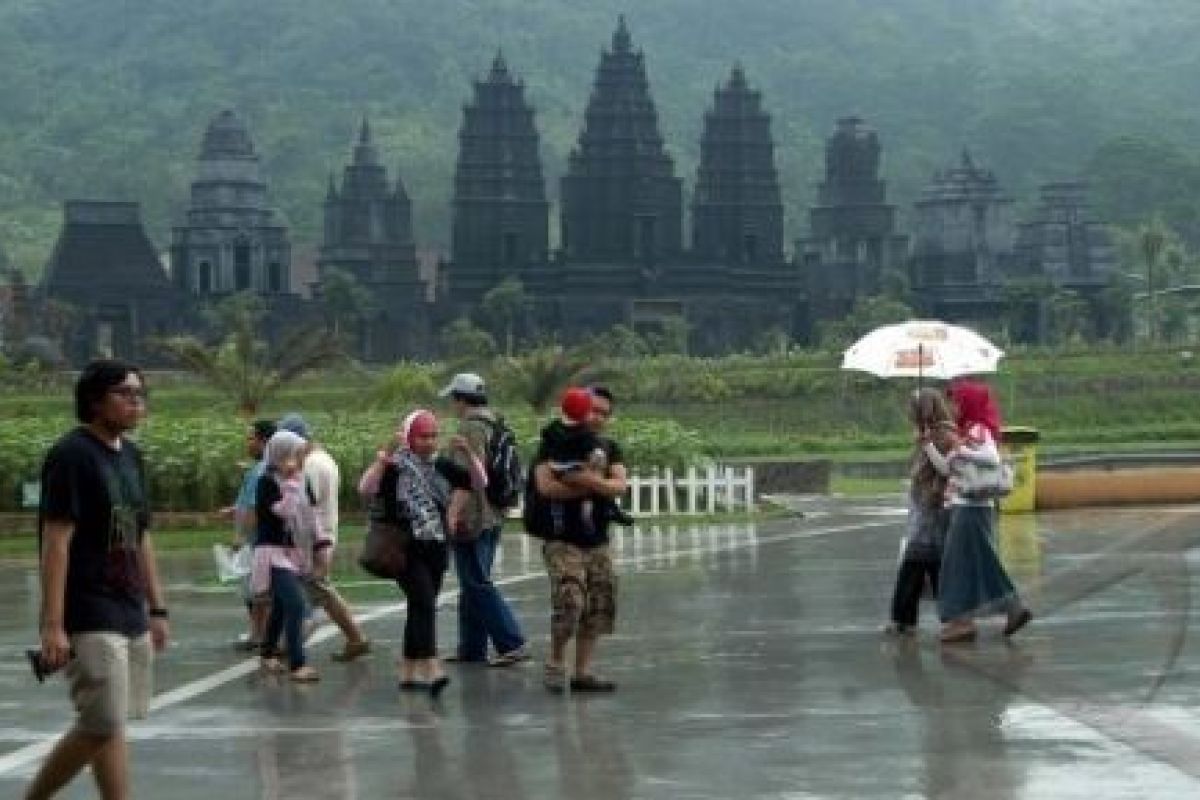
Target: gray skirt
{"x": 973, "y": 581}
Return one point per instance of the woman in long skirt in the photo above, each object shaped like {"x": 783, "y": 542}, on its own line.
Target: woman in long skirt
{"x": 973, "y": 582}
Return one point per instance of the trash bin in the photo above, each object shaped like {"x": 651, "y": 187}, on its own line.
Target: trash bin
{"x": 1019, "y": 447}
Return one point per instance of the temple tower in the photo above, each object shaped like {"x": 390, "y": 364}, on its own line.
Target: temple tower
{"x": 737, "y": 213}
{"x": 500, "y": 222}
{"x": 230, "y": 241}
{"x": 621, "y": 201}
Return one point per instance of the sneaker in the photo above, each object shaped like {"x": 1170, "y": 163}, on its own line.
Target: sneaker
{"x": 554, "y": 678}
{"x": 590, "y": 683}
{"x": 414, "y": 686}
{"x": 247, "y": 645}
{"x": 515, "y": 656}
{"x": 305, "y": 674}
{"x": 352, "y": 650}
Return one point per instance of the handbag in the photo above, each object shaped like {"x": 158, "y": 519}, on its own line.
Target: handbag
{"x": 389, "y": 534}
{"x": 385, "y": 549}
{"x": 986, "y": 481}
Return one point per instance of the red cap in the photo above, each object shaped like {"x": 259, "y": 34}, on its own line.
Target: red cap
{"x": 576, "y": 404}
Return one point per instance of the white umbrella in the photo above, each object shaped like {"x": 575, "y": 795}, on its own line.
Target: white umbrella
{"x": 922, "y": 349}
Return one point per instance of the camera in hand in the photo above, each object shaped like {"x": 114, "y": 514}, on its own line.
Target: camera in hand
{"x": 41, "y": 670}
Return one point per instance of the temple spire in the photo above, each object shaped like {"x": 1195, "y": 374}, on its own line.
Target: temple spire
{"x": 364, "y": 151}
{"x": 622, "y": 42}
{"x": 499, "y": 68}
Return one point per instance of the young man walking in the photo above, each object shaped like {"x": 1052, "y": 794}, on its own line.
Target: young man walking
{"x": 245, "y": 524}
{"x": 324, "y": 480}
{"x": 483, "y": 613}
{"x": 583, "y": 583}
{"x": 103, "y": 611}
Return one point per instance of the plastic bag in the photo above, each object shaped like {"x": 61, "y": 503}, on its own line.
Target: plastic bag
{"x": 232, "y": 565}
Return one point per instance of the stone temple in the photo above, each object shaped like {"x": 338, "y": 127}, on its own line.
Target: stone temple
{"x": 368, "y": 235}
{"x": 231, "y": 240}
{"x": 633, "y": 246}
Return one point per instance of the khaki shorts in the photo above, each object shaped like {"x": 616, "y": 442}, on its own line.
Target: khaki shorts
{"x": 583, "y": 590}
{"x": 111, "y": 679}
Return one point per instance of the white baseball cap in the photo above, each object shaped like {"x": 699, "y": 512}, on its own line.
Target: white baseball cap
{"x": 464, "y": 383}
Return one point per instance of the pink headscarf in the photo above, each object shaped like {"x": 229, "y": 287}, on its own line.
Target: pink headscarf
{"x": 974, "y": 404}
{"x": 417, "y": 423}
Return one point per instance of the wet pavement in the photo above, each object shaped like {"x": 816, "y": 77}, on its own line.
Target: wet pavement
{"x": 750, "y": 665}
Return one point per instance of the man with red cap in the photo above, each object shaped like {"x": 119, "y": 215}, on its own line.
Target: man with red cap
{"x": 577, "y": 477}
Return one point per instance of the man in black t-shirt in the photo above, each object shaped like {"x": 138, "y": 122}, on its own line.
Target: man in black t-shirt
{"x": 583, "y": 583}
{"x": 103, "y": 610}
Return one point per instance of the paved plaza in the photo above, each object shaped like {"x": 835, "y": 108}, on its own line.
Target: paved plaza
{"x": 750, "y": 664}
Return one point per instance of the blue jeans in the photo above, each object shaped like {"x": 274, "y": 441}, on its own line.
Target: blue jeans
{"x": 483, "y": 614}
{"x": 288, "y": 607}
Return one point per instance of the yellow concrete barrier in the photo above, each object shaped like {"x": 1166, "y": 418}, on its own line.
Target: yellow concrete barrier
{"x": 1103, "y": 487}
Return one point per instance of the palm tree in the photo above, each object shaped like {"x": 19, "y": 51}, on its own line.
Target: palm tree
{"x": 243, "y": 367}
{"x": 539, "y": 376}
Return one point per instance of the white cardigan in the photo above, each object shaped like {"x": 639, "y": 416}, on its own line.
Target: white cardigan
{"x": 972, "y": 463}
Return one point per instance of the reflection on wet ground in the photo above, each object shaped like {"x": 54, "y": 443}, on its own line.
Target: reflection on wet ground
{"x": 750, "y": 664}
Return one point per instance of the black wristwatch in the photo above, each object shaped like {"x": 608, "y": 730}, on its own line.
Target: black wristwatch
{"x": 159, "y": 613}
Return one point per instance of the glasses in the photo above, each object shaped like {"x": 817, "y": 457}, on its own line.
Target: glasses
{"x": 133, "y": 394}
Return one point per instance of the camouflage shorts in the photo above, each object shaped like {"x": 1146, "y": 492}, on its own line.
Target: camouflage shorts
{"x": 583, "y": 590}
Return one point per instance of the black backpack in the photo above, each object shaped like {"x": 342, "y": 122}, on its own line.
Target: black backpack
{"x": 506, "y": 479}
{"x": 535, "y": 511}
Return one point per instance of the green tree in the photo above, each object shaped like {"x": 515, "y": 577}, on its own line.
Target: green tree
{"x": 1114, "y": 311}
{"x": 345, "y": 301}
{"x": 1152, "y": 237}
{"x": 506, "y": 305}
{"x": 671, "y": 337}
{"x": 1135, "y": 180}
{"x": 463, "y": 340}
{"x": 243, "y": 366}
{"x": 619, "y": 341}
{"x": 1068, "y": 313}
{"x": 869, "y": 313}
{"x": 1022, "y": 301}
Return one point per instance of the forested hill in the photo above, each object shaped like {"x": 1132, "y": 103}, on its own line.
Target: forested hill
{"x": 109, "y": 98}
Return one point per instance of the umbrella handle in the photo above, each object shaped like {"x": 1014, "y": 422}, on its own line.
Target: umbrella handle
{"x": 920, "y": 364}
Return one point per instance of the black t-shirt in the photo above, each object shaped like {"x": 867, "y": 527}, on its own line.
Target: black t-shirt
{"x": 101, "y": 491}
{"x": 565, "y": 517}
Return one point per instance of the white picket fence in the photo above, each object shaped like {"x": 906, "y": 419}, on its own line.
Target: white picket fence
{"x": 697, "y": 491}
{"x": 715, "y": 488}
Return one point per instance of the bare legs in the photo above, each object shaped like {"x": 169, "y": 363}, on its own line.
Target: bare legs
{"x": 107, "y": 755}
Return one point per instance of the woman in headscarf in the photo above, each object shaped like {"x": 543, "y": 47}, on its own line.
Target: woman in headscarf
{"x": 973, "y": 582}
{"x": 430, "y": 492}
{"x": 288, "y": 539}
